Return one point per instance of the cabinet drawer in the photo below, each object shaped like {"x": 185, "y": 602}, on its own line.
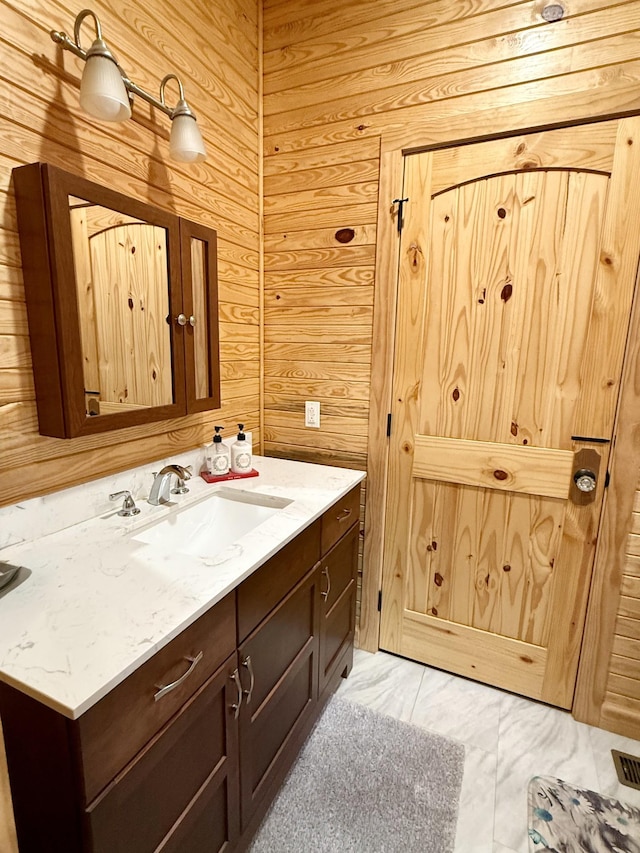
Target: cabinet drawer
{"x": 337, "y": 520}
{"x": 154, "y": 797}
{"x": 261, "y": 591}
{"x": 118, "y": 726}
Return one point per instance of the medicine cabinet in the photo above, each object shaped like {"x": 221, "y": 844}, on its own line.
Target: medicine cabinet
{"x": 122, "y": 304}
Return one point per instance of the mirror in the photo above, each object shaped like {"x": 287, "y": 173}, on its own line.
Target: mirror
{"x": 122, "y": 305}
{"x": 122, "y": 288}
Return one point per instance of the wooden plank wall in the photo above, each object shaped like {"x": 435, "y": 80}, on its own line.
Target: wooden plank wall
{"x": 214, "y": 48}
{"x": 346, "y": 86}
{"x": 621, "y": 706}
{"x": 337, "y": 79}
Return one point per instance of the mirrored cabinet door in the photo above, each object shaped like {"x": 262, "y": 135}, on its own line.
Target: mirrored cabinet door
{"x": 122, "y": 305}
{"x": 202, "y": 353}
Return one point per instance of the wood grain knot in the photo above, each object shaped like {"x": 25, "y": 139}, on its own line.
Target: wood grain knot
{"x": 434, "y": 611}
{"x": 133, "y": 250}
{"x": 507, "y": 292}
{"x": 406, "y": 447}
{"x": 514, "y": 428}
{"x": 438, "y": 579}
{"x": 414, "y": 252}
{"x": 456, "y": 394}
{"x": 345, "y": 235}
{"x": 502, "y": 212}
{"x": 506, "y": 567}
{"x": 500, "y": 475}
{"x": 130, "y": 303}
{"x": 526, "y": 659}
{"x": 520, "y": 149}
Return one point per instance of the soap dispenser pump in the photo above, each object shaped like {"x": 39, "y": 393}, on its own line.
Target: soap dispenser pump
{"x": 218, "y": 455}
{"x": 240, "y": 453}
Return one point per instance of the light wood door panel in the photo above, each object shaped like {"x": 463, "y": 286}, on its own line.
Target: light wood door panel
{"x": 516, "y": 282}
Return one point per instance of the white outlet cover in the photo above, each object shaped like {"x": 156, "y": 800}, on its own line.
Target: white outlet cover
{"x": 312, "y": 414}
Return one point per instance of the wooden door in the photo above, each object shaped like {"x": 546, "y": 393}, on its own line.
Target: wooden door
{"x": 517, "y": 270}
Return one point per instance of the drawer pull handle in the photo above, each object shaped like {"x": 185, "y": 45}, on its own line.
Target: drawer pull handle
{"x": 344, "y": 515}
{"x": 235, "y": 706}
{"x": 325, "y": 572}
{"x": 167, "y": 688}
{"x": 246, "y": 663}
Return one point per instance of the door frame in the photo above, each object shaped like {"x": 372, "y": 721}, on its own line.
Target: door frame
{"x": 618, "y": 502}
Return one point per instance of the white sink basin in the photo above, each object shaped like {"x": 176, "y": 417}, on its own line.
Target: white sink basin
{"x": 211, "y": 525}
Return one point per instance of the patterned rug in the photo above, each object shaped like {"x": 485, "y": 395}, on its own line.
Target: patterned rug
{"x": 566, "y": 819}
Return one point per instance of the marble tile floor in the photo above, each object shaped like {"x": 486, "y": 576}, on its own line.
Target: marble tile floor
{"x": 507, "y": 740}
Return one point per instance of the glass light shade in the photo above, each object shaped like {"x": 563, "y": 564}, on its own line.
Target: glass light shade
{"x": 186, "y": 144}
{"x": 102, "y": 91}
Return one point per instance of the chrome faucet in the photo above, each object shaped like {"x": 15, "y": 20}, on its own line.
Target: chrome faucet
{"x": 162, "y": 481}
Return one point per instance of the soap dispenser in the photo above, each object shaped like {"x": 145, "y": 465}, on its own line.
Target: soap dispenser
{"x": 240, "y": 453}
{"x": 217, "y": 455}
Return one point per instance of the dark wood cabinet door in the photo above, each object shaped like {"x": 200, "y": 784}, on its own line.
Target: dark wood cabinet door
{"x": 279, "y": 669}
{"x": 158, "y": 801}
{"x": 338, "y": 611}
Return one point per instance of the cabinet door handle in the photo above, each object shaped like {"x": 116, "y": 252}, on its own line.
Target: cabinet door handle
{"x": 325, "y": 572}
{"x": 167, "y": 688}
{"x": 235, "y": 707}
{"x": 344, "y": 515}
{"x": 181, "y": 320}
{"x": 192, "y": 320}
{"x": 246, "y": 663}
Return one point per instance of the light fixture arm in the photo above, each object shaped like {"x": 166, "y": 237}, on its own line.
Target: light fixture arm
{"x": 132, "y": 88}
{"x": 78, "y": 23}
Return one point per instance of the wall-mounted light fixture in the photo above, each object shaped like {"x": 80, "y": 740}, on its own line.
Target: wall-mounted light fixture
{"x": 107, "y": 93}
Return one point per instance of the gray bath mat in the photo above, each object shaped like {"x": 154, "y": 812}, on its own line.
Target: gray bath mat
{"x": 568, "y": 819}
{"x": 366, "y": 783}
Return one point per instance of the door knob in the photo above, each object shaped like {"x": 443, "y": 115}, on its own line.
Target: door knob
{"x": 585, "y": 479}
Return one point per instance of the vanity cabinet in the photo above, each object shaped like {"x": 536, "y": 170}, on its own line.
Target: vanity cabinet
{"x": 122, "y": 305}
{"x": 187, "y": 753}
{"x": 279, "y": 669}
{"x": 338, "y": 609}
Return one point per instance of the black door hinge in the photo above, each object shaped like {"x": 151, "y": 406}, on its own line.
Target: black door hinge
{"x": 379, "y": 600}
{"x": 607, "y": 480}
{"x": 401, "y": 203}
{"x": 389, "y": 425}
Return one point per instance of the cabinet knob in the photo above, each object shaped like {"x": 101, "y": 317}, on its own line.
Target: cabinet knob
{"x": 181, "y": 319}
{"x": 192, "y": 320}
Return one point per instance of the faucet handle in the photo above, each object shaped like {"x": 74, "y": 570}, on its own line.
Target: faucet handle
{"x": 180, "y": 488}
{"x": 128, "y": 506}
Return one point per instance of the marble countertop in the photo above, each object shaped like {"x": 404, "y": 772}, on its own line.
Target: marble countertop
{"x": 97, "y": 604}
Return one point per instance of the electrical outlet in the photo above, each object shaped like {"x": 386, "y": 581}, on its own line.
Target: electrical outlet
{"x": 312, "y": 413}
